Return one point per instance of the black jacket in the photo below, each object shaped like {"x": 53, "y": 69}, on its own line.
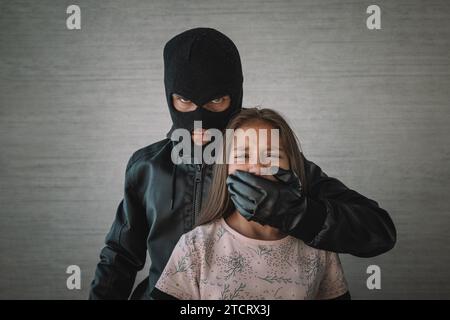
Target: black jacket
{"x": 162, "y": 200}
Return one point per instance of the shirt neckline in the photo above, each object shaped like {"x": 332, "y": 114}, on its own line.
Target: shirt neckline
{"x": 246, "y": 239}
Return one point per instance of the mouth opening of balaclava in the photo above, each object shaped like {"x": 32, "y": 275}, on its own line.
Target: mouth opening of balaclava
{"x": 201, "y": 65}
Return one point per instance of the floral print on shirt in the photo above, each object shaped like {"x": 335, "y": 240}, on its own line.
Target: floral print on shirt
{"x": 213, "y": 261}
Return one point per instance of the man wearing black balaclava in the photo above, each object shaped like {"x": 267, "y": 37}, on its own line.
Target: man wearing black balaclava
{"x": 203, "y": 80}
{"x": 202, "y": 65}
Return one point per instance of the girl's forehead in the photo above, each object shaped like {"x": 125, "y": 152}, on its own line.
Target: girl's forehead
{"x": 256, "y": 124}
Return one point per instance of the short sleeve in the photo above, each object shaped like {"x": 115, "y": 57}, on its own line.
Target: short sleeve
{"x": 333, "y": 283}
{"x": 180, "y": 277}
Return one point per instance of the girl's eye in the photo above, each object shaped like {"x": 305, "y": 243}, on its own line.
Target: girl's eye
{"x": 218, "y": 100}
{"x": 279, "y": 156}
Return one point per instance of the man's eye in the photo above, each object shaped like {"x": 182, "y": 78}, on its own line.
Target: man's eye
{"x": 218, "y": 100}
{"x": 184, "y": 100}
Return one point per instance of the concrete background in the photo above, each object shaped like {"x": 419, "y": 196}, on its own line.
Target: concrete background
{"x": 370, "y": 107}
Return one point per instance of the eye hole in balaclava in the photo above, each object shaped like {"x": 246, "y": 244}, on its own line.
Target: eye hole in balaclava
{"x": 201, "y": 65}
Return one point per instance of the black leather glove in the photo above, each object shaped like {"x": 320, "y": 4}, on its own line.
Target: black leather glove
{"x": 279, "y": 204}
{"x": 329, "y": 216}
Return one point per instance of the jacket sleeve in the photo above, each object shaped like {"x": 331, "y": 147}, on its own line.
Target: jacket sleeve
{"x": 125, "y": 251}
{"x": 341, "y": 220}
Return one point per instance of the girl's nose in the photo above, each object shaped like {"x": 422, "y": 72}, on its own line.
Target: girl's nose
{"x": 255, "y": 169}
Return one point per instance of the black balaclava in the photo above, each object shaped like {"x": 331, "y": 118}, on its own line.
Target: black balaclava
{"x": 200, "y": 65}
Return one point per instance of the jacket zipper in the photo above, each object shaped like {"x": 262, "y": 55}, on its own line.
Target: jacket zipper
{"x": 198, "y": 190}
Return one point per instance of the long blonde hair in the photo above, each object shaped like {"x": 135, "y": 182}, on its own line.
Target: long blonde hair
{"x": 218, "y": 203}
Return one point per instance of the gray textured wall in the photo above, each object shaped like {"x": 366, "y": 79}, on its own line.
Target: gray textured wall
{"x": 370, "y": 107}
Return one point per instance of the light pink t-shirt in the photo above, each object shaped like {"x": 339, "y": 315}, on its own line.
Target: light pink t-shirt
{"x": 214, "y": 261}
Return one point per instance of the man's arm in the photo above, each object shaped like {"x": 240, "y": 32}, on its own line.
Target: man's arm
{"x": 125, "y": 251}
{"x": 328, "y": 216}
{"x": 348, "y": 222}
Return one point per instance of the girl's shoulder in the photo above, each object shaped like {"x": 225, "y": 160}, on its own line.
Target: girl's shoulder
{"x": 203, "y": 233}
